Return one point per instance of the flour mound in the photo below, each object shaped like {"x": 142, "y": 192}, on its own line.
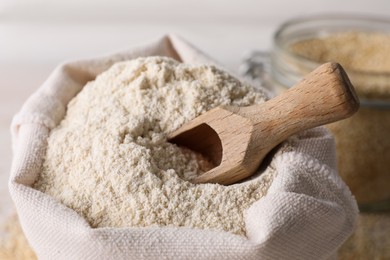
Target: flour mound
{"x": 110, "y": 161}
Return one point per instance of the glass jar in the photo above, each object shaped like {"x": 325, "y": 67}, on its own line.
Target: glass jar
{"x": 362, "y": 141}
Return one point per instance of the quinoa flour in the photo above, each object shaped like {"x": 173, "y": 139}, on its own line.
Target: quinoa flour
{"x": 109, "y": 159}
{"x": 359, "y": 52}
{"x": 362, "y": 141}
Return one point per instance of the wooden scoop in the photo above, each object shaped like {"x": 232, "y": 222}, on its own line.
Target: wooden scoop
{"x": 236, "y": 139}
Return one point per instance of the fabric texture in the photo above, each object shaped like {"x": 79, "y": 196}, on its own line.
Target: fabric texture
{"x": 307, "y": 213}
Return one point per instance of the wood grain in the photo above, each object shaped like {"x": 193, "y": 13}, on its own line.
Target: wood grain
{"x": 243, "y": 136}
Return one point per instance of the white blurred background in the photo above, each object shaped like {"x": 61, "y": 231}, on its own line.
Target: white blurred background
{"x": 36, "y": 35}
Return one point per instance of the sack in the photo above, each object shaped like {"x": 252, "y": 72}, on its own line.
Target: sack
{"x": 307, "y": 213}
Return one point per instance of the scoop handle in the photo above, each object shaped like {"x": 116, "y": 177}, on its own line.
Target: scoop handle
{"x": 324, "y": 96}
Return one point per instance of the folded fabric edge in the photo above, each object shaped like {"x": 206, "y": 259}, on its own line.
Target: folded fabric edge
{"x": 309, "y": 162}
{"x": 306, "y": 227}
{"x": 341, "y": 201}
{"x": 52, "y": 218}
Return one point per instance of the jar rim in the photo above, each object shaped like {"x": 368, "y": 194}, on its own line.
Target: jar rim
{"x": 333, "y": 16}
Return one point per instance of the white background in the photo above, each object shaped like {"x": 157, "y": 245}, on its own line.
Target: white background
{"x": 36, "y": 35}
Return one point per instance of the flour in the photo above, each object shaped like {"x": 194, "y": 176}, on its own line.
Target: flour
{"x": 109, "y": 159}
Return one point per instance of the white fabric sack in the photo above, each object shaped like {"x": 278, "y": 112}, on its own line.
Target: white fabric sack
{"x": 307, "y": 213}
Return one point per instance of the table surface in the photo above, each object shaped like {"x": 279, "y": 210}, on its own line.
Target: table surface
{"x": 37, "y": 35}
